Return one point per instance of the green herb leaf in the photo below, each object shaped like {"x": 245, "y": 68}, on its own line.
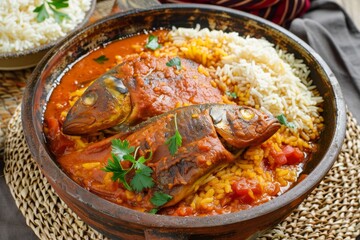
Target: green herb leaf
{"x": 119, "y": 173}
{"x": 231, "y": 94}
{"x": 122, "y": 151}
{"x": 175, "y": 141}
{"x": 121, "y": 148}
{"x": 101, "y": 59}
{"x": 59, "y": 16}
{"x": 154, "y": 210}
{"x": 174, "y": 62}
{"x": 152, "y": 42}
{"x": 59, "y": 3}
{"x": 43, "y": 14}
{"x": 130, "y": 158}
{"x": 159, "y": 199}
{"x": 141, "y": 167}
{"x": 141, "y": 181}
{"x": 142, "y": 159}
{"x": 142, "y": 178}
{"x": 282, "y": 119}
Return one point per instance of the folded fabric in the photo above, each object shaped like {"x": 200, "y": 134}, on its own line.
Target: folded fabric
{"x": 278, "y": 11}
{"x": 329, "y": 30}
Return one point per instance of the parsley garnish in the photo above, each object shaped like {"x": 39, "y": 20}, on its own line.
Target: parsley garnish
{"x": 154, "y": 210}
{"x": 121, "y": 150}
{"x": 282, "y": 119}
{"x": 152, "y": 42}
{"x": 101, "y": 59}
{"x": 231, "y": 94}
{"x": 53, "y": 5}
{"x": 175, "y": 141}
{"x": 159, "y": 199}
{"x": 174, "y": 62}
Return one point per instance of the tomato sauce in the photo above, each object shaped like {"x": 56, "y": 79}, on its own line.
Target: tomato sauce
{"x": 80, "y": 75}
{"x": 87, "y": 70}
{"x": 241, "y": 192}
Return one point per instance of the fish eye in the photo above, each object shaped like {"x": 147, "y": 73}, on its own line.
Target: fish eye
{"x": 247, "y": 114}
{"x": 89, "y": 99}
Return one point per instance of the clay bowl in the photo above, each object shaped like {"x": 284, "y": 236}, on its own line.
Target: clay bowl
{"x": 119, "y": 222}
{"x": 30, "y": 57}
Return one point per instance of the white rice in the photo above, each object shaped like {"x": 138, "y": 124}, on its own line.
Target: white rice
{"x": 277, "y": 81}
{"x": 20, "y": 31}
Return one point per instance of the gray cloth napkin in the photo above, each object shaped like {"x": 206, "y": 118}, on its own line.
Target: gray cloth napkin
{"x": 328, "y": 29}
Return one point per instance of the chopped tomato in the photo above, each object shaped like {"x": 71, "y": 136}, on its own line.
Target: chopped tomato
{"x": 246, "y": 189}
{"x": 293, "y": 154}
{"x": 289, "y": 155}
{"x": 279, "y": 158}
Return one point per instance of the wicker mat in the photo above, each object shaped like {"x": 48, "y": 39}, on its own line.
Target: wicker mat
{"x": 12, "y": 83}
{"x": 332, "y": 211}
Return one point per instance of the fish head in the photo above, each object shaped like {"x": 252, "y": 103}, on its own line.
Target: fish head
{"x": 241, "y": 126}
{"x": 105, "y": 103}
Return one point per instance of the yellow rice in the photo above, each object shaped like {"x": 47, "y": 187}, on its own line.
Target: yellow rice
{"x": 214, "y": 50}
{"x": 237, "y": 72}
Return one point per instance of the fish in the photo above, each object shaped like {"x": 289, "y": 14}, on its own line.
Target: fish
{"x": 140, "y": 87}
{"x": 213, "y": 135}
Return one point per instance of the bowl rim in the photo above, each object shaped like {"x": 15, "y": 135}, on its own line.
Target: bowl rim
{"x": 151, "y": 220}
{"x": 49, "y": 45}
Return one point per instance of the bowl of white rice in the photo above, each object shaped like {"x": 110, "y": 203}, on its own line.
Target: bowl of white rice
{"x": 29, "y": 28}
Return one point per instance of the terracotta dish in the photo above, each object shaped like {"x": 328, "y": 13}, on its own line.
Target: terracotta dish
{"x": 123, "y": 223}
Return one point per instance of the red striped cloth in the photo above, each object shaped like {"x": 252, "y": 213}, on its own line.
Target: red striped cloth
{"x": 277, "y": 11}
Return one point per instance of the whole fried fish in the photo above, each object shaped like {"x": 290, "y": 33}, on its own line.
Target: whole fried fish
{"x": 212, "y": 135}
{"x": 142, "y": 86}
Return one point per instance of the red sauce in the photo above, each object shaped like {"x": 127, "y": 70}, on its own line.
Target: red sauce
{"x": 86, "y": 70}
{"x": 244, "y": 193}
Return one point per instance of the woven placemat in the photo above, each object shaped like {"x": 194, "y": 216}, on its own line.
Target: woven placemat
{"x": 332, "y": 211}
{"x": 12, "y": 83}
